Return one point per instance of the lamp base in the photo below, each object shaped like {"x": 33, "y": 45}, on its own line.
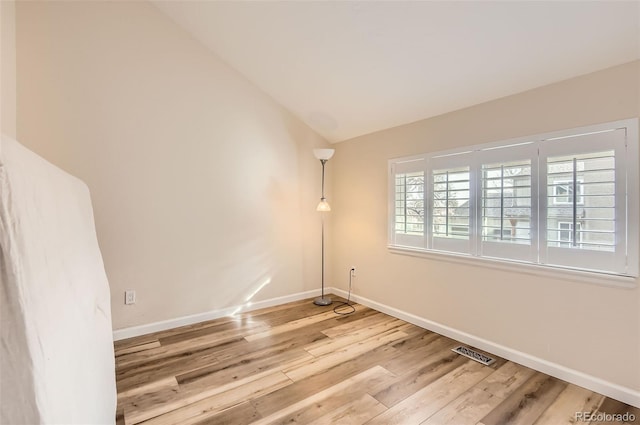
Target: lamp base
{"x": 322, "y": 301}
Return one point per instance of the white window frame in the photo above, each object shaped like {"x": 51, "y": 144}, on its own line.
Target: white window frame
{"x": 587, "y": 142}
{"x": 502, "y": 250}
{"x": 570, "y": 230}
{"x": 406, "y": 165}
{"x": 458, "y": 160}
{"x": 536, "y": 257}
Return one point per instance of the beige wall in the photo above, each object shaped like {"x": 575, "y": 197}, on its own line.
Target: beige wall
{"x": 590, "y": 328}
{"x": 203, "y": 187}
{"x": 8, "y": 68}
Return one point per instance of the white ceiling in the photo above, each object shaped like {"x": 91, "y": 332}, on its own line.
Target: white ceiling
{"x": 349, "y": 68}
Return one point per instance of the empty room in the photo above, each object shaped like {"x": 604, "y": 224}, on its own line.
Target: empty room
{"x": 320, "y": 212}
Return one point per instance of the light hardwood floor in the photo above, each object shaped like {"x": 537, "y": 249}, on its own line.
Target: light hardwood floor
{"x": 300, "y": 363}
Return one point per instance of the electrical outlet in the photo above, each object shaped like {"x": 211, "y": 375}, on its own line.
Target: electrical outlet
{"x": 129, "y": 297}
{"x": 353, "y": 271}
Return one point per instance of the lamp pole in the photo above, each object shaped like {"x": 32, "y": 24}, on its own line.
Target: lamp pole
{"x": 323, "y": 155}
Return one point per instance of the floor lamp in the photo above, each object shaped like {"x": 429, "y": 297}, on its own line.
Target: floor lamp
{"x": 323, "y": 155}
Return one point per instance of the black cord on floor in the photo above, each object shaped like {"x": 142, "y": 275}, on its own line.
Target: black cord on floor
{"x": 348, "y": 303}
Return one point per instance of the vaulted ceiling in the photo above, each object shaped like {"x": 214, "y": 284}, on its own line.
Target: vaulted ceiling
{"x": 349, "y": 68}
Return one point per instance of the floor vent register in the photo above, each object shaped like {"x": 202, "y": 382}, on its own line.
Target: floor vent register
{"x": 473, "y": 355}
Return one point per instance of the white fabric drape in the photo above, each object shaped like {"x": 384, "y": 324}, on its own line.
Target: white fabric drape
{"x": 56, "y": 352}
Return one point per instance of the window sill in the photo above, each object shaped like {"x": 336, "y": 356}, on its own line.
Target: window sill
{"x": 627, "y": 282}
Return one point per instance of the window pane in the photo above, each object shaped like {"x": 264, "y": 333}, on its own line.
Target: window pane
{"x": 581, "y": 201}
{"x": 409, "y": 203}
{"x": 451, "y": 203}
{"x": 506, "y": 202}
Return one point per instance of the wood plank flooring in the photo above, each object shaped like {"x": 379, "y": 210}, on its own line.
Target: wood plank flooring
{"x": 301, "y": 363}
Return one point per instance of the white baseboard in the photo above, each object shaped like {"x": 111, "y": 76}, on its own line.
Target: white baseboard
{"x": 615, "y": 391}
{"x": 133, "y": 331}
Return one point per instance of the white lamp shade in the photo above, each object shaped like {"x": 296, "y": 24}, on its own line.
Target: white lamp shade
{"x": 323, "y": 153}
{"x": 323, "y": 206}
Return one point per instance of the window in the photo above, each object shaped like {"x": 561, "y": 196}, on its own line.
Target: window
{"x": 408, "y": 209}
{"x": 410, "y": 203}
{"x": 591, "y": 205}
{"x": 558, "y": 200}
{"x": 562, "y": 192}
{"x": 506, "y": 202}
{"x": 451, "y": 203}
{"x": 506, "y": 217}
{"x": 566, "y": 236}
